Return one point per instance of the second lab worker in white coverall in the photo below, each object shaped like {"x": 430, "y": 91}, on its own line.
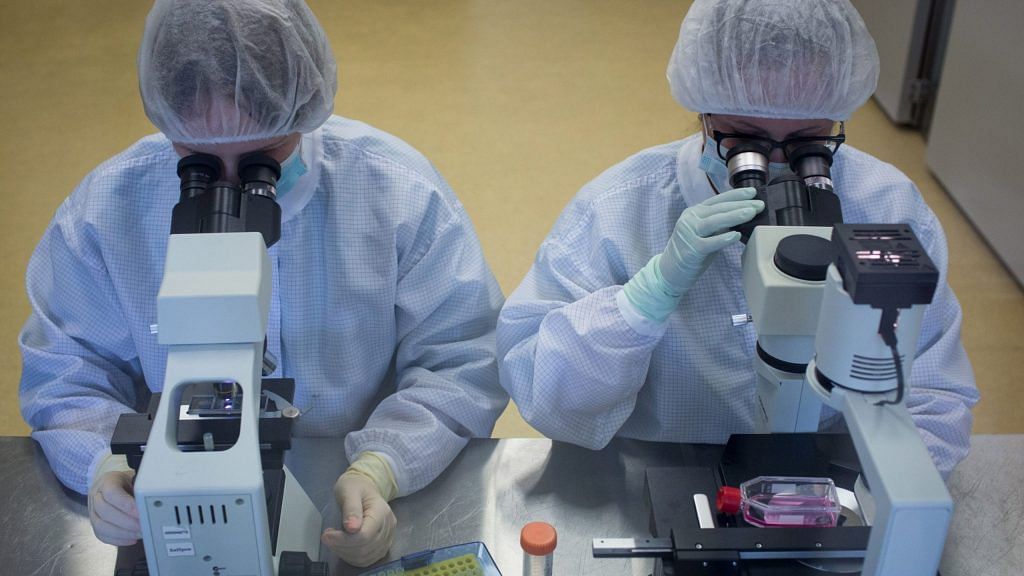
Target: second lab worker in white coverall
{"x": 622, "y": 326}
{"x": 383, "y": 308}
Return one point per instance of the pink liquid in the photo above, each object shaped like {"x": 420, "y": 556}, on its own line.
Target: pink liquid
{"x": 789, "y": 510}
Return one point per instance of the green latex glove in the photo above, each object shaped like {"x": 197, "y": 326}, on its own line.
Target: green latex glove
{"x": 700, "y": 233}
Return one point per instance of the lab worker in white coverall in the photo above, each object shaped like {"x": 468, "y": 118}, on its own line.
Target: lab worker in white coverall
{"x": 383, "y": 308}
{"x": 622, "y": 326}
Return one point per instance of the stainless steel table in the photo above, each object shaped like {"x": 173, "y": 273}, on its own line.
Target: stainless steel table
{"x": 492, "y": 489}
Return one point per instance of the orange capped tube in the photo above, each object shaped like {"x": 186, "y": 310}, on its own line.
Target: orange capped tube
{"x": 538, "y": 540}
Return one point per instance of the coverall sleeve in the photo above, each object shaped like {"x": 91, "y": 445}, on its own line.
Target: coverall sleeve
{"x": 942, "y": 380}
{"x": 569, "y": 359}
{"x": 79, "y": 366}
{"x": 446, "y": 306}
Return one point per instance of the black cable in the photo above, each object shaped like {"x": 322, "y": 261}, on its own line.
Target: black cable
{"x": 887, "y": 330}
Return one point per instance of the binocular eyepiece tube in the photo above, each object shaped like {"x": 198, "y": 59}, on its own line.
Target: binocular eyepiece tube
{"x": 210, "y": 205}
{"x": 748, "y": 165}
{"x": 803, "y": 199}
{"x": 199, "y": 172}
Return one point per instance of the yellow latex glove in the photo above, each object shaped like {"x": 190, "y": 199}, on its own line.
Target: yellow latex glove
{"x": 363, "y": 492}
{"x": 112, "y": 511}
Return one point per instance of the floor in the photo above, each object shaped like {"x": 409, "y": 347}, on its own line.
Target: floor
{"x": 517, "y": 103}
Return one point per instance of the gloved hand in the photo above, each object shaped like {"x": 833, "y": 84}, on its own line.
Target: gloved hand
{"x": 699, "y": 234}
{"x": 112, "y": 511}
{"x": 368, "y": 524}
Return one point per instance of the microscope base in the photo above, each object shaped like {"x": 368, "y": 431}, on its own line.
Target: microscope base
{"x": 735, "y": 548}
{"x": 295, "y": 529}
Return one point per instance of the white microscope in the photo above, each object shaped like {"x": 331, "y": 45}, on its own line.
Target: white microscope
{"x": 213, "y": 495}
{"x": 838, "y": 313}
{"x": 837, "y": 309}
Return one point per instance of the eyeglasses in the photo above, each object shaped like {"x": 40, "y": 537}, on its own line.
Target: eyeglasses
{"x": 727, "y": 140}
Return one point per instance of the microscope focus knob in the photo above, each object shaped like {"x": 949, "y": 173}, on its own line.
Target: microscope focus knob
{"x": 299, "y": 564}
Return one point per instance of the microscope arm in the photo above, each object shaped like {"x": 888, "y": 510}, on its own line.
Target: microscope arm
{"x": 870, "y": 321}
{"x": 212, "y": 310}
{"x": 912, "y": 506}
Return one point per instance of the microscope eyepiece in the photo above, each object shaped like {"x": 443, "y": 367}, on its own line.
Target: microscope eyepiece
{"x": 259, "y": 173}
{"x": 197, "y": 171}
{"x": 748, "y": 164}
{"x": 813, "y": 163}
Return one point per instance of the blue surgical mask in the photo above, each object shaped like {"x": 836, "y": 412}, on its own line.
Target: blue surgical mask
{"x": 713, "y": 166}
{"x": 776, "y": 169}
{"x": 291, "y": 170}
{"x": 718, "y": 171}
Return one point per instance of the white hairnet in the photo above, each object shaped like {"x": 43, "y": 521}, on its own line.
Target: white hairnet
{"x": 801, "y": 59}
{"x": 214, "y": 71}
